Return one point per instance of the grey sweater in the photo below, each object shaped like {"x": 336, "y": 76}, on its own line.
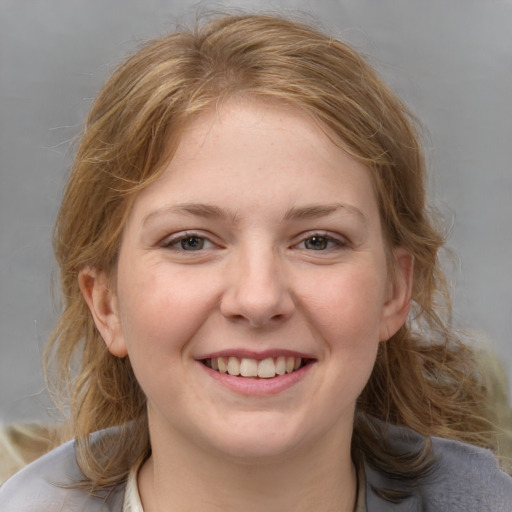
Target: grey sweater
{"x": 465, "y": 479}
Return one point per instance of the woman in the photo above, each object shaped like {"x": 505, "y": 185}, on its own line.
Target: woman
{"x": 253, "y": 297}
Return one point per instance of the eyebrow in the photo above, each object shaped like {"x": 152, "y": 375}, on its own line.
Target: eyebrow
{"x": 323, "y": 210}
{"x": 206, "y": 211}
{"x": 214, "y": 212}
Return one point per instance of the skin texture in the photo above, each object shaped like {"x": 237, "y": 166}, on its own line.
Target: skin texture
{"x": 289, "y": 257}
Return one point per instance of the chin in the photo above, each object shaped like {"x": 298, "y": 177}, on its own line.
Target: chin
{"x": 259, "y": 442}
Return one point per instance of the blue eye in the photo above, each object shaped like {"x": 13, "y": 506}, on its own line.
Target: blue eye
{"x": 320, "y": 243}
{"x": 192, "y": 243}
{"x": 189, "y": 243}
{"x": 316, "y": 243}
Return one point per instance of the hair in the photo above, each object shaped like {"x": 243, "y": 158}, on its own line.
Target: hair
{"x": 424, "y": 378}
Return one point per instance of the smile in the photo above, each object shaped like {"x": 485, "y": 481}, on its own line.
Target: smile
{"x": 246, "y": 367}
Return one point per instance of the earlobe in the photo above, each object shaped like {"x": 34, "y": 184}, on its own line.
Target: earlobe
{"x": 102, "y": 301}
{"x": 398, "y": 301}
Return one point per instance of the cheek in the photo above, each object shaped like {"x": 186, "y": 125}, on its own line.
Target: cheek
{"x": 347, "y": 306}
{"x": 162, "y": 310}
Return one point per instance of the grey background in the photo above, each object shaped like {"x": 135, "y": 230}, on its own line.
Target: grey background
{"x": 451, "y": 60}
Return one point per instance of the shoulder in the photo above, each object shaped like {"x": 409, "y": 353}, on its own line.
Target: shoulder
{"x": 465, "y": 478}
{"x": 45, "y": 486}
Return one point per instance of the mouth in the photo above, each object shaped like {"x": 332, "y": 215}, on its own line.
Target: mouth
{"x": 267, "y": 368}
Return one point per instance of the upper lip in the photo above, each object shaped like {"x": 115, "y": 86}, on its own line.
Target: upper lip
{"x": 252, "y": 354}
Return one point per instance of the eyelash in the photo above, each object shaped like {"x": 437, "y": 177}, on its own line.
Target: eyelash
{"x": 171, "y": 243}
{"x": 336, "y": 243}
{"x": 330, "y": 242}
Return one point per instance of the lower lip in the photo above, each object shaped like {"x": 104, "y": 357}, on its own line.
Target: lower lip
{"x": 251, "y": 386}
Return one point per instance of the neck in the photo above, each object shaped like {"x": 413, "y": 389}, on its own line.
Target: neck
{"x": 319, "y": 478}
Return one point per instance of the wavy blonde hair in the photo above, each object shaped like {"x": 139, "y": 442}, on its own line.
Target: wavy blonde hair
{"x": 424, "y": 377}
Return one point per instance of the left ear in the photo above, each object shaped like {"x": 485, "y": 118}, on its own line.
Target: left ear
{"x": 398, "y": 298}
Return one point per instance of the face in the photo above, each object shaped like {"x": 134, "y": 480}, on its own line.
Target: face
{"x": 252, "y": 288}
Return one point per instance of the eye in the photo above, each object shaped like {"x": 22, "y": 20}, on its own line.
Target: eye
{"x": 319, "y": 242}
{"x": 188, "y": 242}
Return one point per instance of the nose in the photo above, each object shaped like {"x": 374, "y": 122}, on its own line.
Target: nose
{"x": 257, "y": 290}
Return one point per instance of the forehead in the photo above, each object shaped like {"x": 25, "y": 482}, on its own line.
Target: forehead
{"x": 262, "y": 152}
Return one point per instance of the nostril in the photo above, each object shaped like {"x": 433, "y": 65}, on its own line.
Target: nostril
{"x": 257, "y": 304}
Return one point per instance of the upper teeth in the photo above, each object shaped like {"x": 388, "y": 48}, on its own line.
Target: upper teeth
{"x": 265, "y": 369}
